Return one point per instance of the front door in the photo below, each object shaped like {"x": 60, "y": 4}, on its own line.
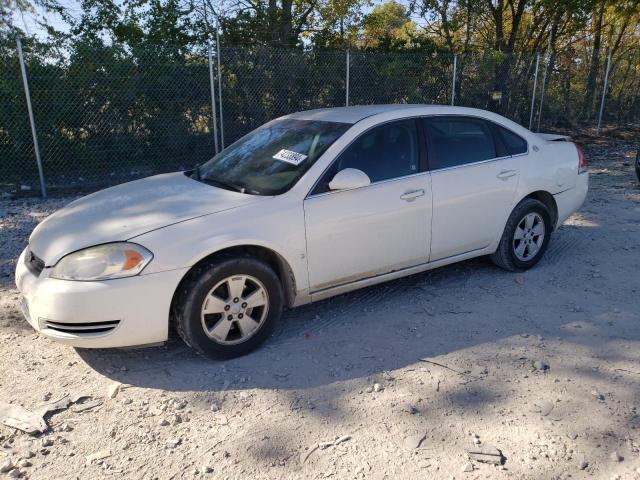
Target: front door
{"x": 377, "y": 229}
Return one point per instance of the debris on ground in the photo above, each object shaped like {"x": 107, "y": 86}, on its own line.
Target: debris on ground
{"x": 467, "y": 467}
{"x": 113, "y": 389}
{"x": 6, "y": 466}
{"x": 616, "y": 457}
{"x": 33, "y": 422}
{"x": 541, "y": 365}
{"x": 83, "y": 407}
{"x": 486, "y": 454}
{"x": 308, "y": 453}
{"x": 100, "y": 455}
{"x": 413, "y": 441}
{"x": 545, "y": 407}
{"x": 426, "y": 360}
{"x": 323, "y": 445}
{"x": 15, "y": 416}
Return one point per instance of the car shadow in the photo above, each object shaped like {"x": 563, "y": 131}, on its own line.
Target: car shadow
{"x": 375, "y": 330}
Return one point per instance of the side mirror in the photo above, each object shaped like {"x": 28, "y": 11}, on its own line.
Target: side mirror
{"x": 348, "y": 179}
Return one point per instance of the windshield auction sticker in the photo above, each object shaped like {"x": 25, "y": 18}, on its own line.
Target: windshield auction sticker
{"x": 289, "y": 156}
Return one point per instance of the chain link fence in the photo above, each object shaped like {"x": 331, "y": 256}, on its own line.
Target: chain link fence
{"x": 109, "y": 113}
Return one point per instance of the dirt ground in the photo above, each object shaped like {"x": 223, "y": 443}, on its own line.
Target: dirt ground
{"x": 394, "y": 381}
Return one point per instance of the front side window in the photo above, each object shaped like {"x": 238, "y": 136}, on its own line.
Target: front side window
{"x": 384, "y": 152}
{"x": 272, "y": 158}
{"x": 454, "y": 141}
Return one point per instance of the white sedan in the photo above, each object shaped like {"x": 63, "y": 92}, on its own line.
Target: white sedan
{"x": 308, "y": 206}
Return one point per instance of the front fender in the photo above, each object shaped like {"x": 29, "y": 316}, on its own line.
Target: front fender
{"x": 277, "y": 226}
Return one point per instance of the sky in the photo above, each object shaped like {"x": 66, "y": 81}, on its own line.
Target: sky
{"x": 29, "y": 21}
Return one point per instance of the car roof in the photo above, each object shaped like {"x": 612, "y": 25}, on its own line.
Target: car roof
{"x": 360, "y": 112}
{"x": 351, "y": 114}
{"x": 357, "y": 113}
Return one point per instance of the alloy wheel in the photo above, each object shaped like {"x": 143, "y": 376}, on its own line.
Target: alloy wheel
{"x": 528, "y": 237}
{"x": 234, "y": 309}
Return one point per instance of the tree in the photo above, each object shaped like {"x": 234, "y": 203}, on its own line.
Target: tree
{"x": 279, "y": 24}
{"x": 388, "y": 25}
{"x": 339, "y": 24}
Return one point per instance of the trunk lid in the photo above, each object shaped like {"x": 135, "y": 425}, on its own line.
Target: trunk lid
{"x": 553, "y": 137}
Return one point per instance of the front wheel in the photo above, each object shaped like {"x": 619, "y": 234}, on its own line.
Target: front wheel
{"x": 525, "y": 237}
{"x": 229, "y": 307}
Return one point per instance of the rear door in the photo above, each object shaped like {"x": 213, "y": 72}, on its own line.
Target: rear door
{"x": 474, "y": 180}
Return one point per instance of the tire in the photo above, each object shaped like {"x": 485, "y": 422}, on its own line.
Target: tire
{"x": 212, "y": 323}
{"x": 510, "y": 253}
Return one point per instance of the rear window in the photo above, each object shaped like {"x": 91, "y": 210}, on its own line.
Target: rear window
{"x": 514, "y": 144}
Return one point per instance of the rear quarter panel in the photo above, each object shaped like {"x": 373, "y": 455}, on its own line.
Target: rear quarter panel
{"x": 550, "y": 166}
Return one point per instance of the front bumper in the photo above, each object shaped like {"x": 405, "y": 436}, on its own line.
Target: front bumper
{"x": 122, "y": 312}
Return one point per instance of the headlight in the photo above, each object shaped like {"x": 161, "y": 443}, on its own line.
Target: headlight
{"x": 103, "y": 262}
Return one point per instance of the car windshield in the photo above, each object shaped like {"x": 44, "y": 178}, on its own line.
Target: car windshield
{"x": 271, "y": 159}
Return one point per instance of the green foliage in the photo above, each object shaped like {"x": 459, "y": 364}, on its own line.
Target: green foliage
{"x": 388, "y": 25}
{"x": 126, "y": 93}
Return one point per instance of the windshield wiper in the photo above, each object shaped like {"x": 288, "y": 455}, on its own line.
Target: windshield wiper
{"x": 196, "y": 174}
{"x": 222, "y": 184}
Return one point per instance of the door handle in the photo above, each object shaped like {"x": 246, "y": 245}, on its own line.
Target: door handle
{"x": 410, "y": 196}
{"x": 505, "y": 174}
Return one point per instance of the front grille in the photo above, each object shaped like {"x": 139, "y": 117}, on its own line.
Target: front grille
{"x": 82, "y": 328}
{"x": 34, "y": 263}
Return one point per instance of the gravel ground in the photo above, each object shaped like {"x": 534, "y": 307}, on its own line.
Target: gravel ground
{"x": 394, "y": 381}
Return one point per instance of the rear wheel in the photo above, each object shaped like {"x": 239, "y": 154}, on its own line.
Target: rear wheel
{"x": 229, "y": 307}
{"x": 525, "y": 237}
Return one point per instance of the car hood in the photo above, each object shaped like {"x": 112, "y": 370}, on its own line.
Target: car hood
{"x": 128, "y": 210}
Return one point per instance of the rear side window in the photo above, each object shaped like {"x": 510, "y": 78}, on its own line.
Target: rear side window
{"x": 513, "y": 144}
{"x": 454, "y": 141}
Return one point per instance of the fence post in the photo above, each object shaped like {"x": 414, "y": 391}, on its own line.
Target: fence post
{"x": 220, "y": 85}
{"x": 36, "y": 147}
{"x": 544, "y": 86}
{"x": 533, "y": 94}
{"x": 453, "y": 81}
{"x": 212, "y": 85}
{"x": 604, "y": 91}
{"x": 347, "y": 80}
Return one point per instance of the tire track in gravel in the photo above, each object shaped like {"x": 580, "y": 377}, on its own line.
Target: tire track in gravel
{"x": 566, "y": 242}
{"x": 317, "y": 317}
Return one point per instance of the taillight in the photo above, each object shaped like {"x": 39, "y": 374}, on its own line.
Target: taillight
{"x": 582, "y": 163}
